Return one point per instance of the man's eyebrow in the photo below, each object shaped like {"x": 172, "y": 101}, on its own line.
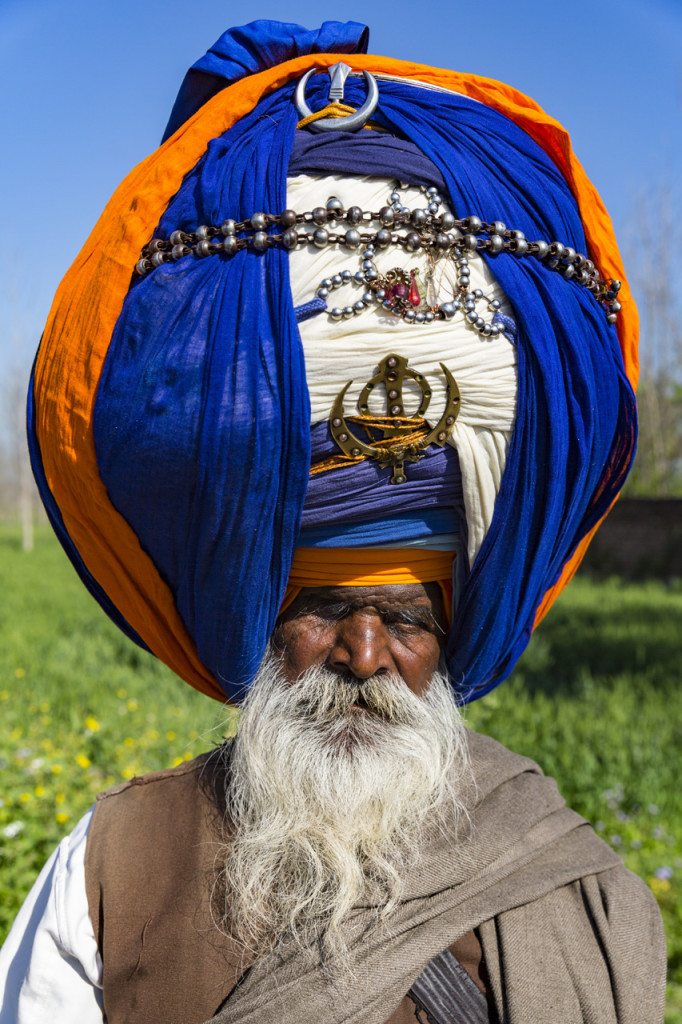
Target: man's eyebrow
{"x": 326, "y": 606}
{"x": 412, "y": 616}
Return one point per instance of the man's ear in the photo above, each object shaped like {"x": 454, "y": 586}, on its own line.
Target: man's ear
{"x": 277, "y": 638}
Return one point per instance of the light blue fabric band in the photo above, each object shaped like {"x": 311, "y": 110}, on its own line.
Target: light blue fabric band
{"x": 424, "y": 528}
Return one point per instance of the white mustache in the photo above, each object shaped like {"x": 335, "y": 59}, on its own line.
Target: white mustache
{"x": 321, "y": 696}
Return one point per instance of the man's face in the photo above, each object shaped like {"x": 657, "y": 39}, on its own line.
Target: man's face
{"x": 360, "y": 632}
{"x": 350, "y": 742}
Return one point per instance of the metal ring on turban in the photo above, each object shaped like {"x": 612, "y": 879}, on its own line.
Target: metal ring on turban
{"x": 338, "y": 74}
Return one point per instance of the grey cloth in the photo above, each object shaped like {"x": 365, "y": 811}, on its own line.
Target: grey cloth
{"x": 446, "y": 993}
{"x": 569, "y": 936}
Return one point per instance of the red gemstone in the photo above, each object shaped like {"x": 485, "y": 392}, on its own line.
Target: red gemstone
{"x": 414, "y": 296}
{"x": 400, "y": 290}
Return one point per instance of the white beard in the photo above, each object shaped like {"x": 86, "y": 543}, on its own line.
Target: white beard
{"x": 325, "y": 802}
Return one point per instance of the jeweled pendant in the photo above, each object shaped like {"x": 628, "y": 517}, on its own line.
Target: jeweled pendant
{"x": 414, "y": 296}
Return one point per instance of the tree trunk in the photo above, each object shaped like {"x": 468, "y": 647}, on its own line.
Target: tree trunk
{"x": 26, "y": 504}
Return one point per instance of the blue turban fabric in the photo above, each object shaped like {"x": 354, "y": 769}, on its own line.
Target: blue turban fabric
{"x": 254, "y": 47}
{"x": 202, "y": 424}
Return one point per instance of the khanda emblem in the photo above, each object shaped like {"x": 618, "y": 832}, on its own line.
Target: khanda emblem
{"x": 393, "y": 438}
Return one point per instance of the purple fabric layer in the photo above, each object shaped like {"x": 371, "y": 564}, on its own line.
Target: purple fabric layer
{"x": 366, "y": 152}
{"x": 364, "y": 492}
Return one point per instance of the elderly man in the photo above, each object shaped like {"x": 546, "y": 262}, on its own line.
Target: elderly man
{"x": 348, "y": 518}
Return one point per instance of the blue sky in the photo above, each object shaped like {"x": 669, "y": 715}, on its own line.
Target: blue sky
{"x": 88, "y": 87}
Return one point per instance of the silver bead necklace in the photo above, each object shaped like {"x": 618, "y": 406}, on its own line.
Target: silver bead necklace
{"x": 439, "y": 236}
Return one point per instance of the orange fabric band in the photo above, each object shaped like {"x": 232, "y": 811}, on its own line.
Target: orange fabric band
{"x": 368, "y": 567}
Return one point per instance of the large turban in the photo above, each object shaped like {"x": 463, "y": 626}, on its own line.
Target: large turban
{"x": 179, "y": 423}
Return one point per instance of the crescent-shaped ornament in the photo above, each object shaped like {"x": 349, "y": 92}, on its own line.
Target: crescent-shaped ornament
{"x": 338, "y": 74}
{"x": 406, "y": 435}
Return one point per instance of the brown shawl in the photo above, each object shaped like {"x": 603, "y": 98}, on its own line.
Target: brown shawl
{"x": 569, "y": 935}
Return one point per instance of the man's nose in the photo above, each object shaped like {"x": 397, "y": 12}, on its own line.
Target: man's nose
{"x": 361, "y": 647}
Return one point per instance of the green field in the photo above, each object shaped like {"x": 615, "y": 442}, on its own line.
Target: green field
{"x": 596, "y": 700}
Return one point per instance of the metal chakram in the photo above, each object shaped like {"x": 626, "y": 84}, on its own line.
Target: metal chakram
{"x": 392, "y": 374}
{"x": 338, "y": 74}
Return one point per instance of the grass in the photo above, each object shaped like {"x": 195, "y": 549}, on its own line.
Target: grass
{"x": 596, "y": 700}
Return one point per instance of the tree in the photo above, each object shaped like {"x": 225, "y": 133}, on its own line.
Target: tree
{"x": 655, "y": 272}
{"x": 18, "y": 494}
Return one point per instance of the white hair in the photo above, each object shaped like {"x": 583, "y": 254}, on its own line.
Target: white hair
{"x": 328, "y": 786}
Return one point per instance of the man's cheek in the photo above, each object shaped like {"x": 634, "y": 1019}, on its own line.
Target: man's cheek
{"x": 306, "y": 648}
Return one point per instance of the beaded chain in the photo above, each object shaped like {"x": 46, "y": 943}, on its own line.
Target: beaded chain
{"x": 438, "y": 234}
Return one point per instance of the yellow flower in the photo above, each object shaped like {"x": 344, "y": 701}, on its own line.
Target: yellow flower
{"x": 170, "y": 736}
{"x": 20, "y": 673}
{"x": 129, "y": 772}
{"x": 121, "y": 693}
{"x": 60, "y": 798}
{"x": 61, "y": 817}
{"x": 25, "y": 798}
{"x": 152, "y": 735}
{"x": 658, "y": 886}
{"x": 91, "y": 724}
{"x": 187, "y": 756}
{"x": 132, "y": 705}
{"x": 83, "y": 761}
{"x": 4, "y": 694}
{"x": 40, "y": 791}
{"x": 56, "y": 769}
{"x": 129, "y": 742}
{"x": 16, "y": 733}
{"x": 177, "y": 761}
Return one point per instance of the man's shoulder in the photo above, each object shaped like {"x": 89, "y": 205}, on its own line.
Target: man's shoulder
{"x": 519, "y": 808}
{"x": 187, "y": 775}
{"x": 493, "y": 764}
{"x": 148, "y": 818}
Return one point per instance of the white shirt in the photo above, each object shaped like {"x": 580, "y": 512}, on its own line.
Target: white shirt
{"x": 50, "y": 967}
